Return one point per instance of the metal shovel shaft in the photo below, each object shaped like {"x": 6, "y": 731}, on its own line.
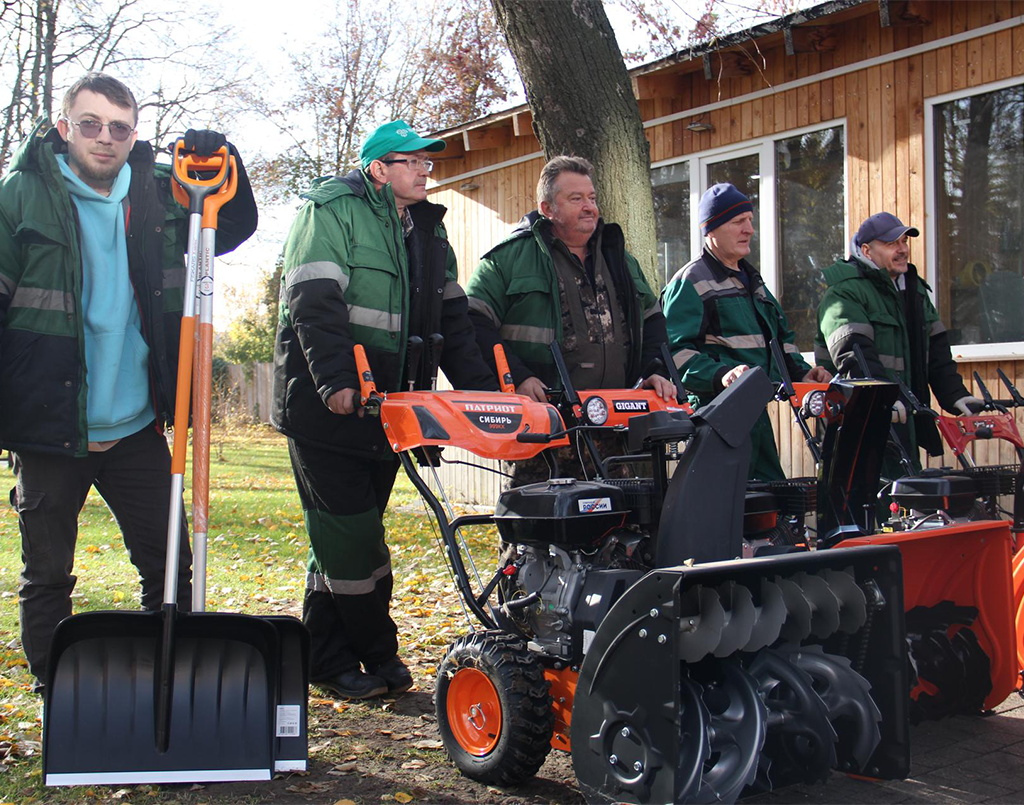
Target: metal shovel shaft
{"x": 201, "y": 413}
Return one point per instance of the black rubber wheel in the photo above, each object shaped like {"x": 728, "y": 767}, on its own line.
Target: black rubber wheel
{"x": 494, "y": 708}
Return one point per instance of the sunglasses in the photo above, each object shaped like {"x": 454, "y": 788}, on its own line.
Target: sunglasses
{"x": 90, "y": 129}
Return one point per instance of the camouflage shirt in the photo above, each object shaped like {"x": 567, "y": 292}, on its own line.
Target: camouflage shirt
{"x": 595, "y": 339}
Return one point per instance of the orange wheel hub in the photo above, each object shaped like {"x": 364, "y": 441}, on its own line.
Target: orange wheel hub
{"x": 474, "y": 711}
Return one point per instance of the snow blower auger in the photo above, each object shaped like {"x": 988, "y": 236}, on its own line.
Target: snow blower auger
{"x": 620, "y": 626}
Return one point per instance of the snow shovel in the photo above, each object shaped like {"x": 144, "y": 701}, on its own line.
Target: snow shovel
{"x": 290, "y": 737}
{"x": 160, "y": 697}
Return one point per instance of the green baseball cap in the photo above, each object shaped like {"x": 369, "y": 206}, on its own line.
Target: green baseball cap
{"x": 396, "y": 136}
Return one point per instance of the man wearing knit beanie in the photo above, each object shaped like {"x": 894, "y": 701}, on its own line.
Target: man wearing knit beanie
{"x": 721, "y": 318}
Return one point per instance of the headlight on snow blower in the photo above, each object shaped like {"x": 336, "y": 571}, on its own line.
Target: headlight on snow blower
{"x": 814, "y": 404}
{"x": 596, "y": 410}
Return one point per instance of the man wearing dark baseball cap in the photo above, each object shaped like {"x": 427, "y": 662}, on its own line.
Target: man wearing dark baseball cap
{"x": 876, "y": 300}
{"x": 721, "y": 318}
{"x": 367, "y": 262}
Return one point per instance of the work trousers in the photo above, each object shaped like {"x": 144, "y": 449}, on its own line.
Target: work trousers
{"x": 348, "y": 579}
{"x": 134, "y": 479}
{"x": 764, "y": 456}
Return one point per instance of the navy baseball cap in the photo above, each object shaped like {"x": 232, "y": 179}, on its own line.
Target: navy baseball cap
{"x": 883, "y": 226}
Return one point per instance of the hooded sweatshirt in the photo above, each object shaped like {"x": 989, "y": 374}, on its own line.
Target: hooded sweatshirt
{"x": 116, "y": 356}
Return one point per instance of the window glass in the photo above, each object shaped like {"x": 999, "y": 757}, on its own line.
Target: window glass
{"x": 745, "y": 174}
{"x": 979, "y": 173}
{"x": 672, "y": 217}
{"x": 809, "y": 221}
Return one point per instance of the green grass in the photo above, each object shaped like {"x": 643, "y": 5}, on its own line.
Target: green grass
{"x": 257, "y": 561}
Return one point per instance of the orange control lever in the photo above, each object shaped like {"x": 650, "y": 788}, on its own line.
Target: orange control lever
{"x": 367, "y": 388}
{"x": 504, "y": 373}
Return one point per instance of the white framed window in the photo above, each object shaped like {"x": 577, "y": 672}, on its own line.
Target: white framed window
{"x": 797, "y": 184}
{"x": 974, "y": 233}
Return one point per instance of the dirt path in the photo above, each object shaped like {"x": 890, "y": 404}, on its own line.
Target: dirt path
{"x": 388, "y": 750}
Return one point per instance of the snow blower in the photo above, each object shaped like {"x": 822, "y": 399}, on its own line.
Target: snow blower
{"x": 619, "y": 624}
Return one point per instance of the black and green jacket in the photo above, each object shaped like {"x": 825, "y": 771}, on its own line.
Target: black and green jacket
{"x": 350, "y": 277}
{"x": 715, "y": 323}
{"x": 514, "y": 301}
{"x": 899, "y": 338}
{"x": 43, "y": 379}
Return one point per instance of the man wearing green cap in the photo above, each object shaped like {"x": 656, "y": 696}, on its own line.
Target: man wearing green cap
{"x": 367, "y": 262}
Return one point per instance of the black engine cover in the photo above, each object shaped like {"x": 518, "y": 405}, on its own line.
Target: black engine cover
{"x": 953, "y": 494}
{"x": 561, "y": 511}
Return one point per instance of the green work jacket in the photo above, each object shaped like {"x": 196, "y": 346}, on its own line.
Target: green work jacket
{"x": 862, "y": 306}
{"x": 43, "y": 378}
{"x": 716, "y": 323}
{"x": 352, "y": 276}
{"x": 514, "y": 300}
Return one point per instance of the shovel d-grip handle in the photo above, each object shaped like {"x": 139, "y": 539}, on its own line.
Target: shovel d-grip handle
{"x": 504, "y": 373}
{"x": 367, "y": 387}
{"x": 204, "y": 196}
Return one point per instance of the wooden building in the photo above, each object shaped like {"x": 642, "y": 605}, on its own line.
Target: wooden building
{"x": 823, "y": 117}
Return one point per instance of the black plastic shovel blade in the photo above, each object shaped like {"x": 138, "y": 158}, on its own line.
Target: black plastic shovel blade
{"x": 291, "y": 745}
{"x": 99, "y": 717}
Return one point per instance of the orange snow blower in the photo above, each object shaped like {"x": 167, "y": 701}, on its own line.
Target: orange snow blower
{"x": 619, "y": 625}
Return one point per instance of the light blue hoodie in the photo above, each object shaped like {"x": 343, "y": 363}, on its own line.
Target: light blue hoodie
{"x": 116, "y": 356}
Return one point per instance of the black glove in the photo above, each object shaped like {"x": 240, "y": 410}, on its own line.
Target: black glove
{"x": 204, "y": 142}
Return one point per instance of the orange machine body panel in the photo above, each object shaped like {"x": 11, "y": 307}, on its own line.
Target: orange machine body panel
{"x": 486, "y": 423}
{"x": 563, "y": 691}
{"x": 803, "y": 389}
{"x": 970, "y": 565}
{"x": 960, "y": 431}
{"x": 1018, "y": 607}
{"x": 623, "y": 404}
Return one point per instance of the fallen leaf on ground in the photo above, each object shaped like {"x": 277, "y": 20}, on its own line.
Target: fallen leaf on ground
{"x": 401, "y": 796}
{"x": 428, "y": 744}
{"x": 415, "y": 763}
{"x": 308, "y": 788}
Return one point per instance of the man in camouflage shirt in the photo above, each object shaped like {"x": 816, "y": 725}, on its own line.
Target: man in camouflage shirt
{"x": 564, "y": 275}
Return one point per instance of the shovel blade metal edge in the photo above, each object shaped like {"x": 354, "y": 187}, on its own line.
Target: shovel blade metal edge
{"x": 291, "y": 739}
{"x": 99, "y": 712}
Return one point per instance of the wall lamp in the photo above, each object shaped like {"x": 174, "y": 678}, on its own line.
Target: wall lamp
{"x": 699, "y": 125}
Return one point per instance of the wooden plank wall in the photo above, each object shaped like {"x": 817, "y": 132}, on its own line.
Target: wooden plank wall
{"x": 883, "y": 107}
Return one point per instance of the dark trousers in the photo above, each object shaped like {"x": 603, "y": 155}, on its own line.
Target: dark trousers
{"x": 349, "y": 580}
{"x": 134, "y": 478}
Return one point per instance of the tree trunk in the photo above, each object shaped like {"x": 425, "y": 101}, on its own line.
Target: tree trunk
{"x": 48, "y": 9}
{"x": 583, "y": 104}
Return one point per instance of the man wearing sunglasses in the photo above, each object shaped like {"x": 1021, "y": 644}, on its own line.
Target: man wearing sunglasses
{"x": 367, "y": 262}
{"x": 91, "y": 278}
